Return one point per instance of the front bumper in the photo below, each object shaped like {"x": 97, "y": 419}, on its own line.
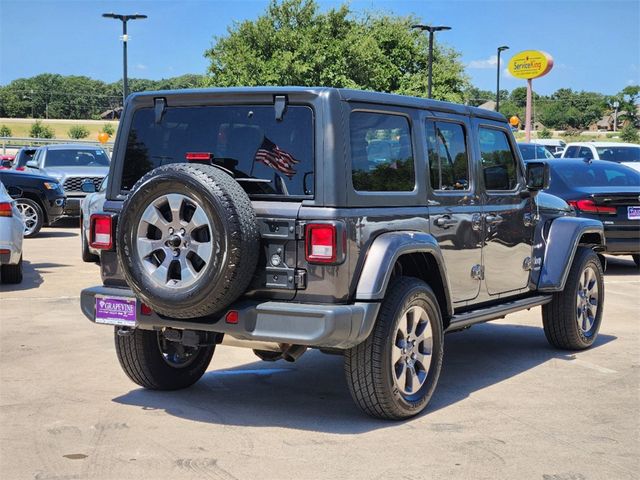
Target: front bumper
{"x": 316, "y": 325}
{"x": 72, "y": 206}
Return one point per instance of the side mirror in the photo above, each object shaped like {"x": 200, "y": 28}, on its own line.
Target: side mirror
{"x": 537, "y": 176}
{"x": 88, "y": 186}
{"x": 32, "y": 164}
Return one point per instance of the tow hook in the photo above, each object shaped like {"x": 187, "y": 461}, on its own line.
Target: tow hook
{"x": 124, "y": 331}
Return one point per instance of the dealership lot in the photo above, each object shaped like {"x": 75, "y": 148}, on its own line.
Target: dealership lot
{"x": 507, "y": 406}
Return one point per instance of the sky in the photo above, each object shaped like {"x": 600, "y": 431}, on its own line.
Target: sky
{"x": 595, "y": 43}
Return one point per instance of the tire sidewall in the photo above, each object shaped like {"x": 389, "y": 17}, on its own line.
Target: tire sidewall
{"x": 585, "y": 259}
{"x": 166, "y": 182}
{"x": 423, "y": 296}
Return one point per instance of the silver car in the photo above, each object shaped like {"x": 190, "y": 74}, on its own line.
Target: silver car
{"x": 11, "y": 235}
{"x": 91, "y": 204}
{"x": 72, "y": 165}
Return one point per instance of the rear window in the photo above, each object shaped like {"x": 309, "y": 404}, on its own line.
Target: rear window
{"x": 76, "y": 158}
{"x": 266, "y": 156}
{"x": 595, "y": 175}
{"x": 619, "y": 154}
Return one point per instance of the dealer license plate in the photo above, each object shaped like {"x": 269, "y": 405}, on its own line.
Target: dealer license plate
{"x": 633, "y": 213}
{"x": 116, "y": 311}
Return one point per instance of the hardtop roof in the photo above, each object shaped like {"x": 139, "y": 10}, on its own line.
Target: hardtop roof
{"x": 364, "y": 96}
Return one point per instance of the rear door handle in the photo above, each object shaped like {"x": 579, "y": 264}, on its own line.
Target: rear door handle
{"x": 445, "y": 222}
{"x": 493, "y": 219}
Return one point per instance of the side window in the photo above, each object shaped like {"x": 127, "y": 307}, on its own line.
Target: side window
{"x": 448, "y": 159}
{"x": 498, "y": 163}
{"x": 571, "y": 152}
{"x": 585, "y": 152}
{"x": 381, "y": 153}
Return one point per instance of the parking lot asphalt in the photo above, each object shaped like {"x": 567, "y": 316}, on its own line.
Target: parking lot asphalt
{"x": 507, "y": 406}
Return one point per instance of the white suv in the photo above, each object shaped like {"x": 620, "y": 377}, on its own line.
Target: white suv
{"x": 625, "y": 153}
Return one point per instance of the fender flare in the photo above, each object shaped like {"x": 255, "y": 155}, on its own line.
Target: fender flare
{"x": 382, "y": 256}
{"x": 562, "y": 241}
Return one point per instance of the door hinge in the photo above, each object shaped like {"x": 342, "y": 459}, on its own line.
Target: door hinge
{"x": 530, "y": 219}
{"x": 300, "y": 279}
{"x": 527, "y": 264}
{"x": 477, "y": 272}
{"x": 299, "y": 230}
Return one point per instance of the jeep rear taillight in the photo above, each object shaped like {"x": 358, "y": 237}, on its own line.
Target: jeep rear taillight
{"x": 101, "y": 231}
{"x": 321, "y": 243}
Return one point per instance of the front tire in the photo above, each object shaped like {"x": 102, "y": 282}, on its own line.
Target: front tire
{"x": 33, "y": 216}
{"x": 394, "y": 372}
{"x": 572, "y": 319}
{"x": 153, "y": 362}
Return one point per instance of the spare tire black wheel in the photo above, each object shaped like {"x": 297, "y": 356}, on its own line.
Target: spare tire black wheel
{"x": 188, "y": 240}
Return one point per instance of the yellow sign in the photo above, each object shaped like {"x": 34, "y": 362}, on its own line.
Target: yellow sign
{"x": 530, "y": 64}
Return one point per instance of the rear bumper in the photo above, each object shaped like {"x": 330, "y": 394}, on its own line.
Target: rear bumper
{"x": 13, "y": 256}
{"x": 622, "y": 241}
{"x": 316, "y": 325}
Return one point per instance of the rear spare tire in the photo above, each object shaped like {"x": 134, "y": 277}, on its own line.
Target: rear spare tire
{"x": 187, "y": 240}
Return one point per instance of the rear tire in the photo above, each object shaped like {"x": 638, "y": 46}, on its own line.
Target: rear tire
{"x": 160, "y": 368}
{"x": 572, "y": 319}
{"x": 636, "y": 259}
{"x": 388, "y": 374}
{"x": 12, "y": 273}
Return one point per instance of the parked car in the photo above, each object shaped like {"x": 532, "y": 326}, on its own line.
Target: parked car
{"x": 71, "y": 165}
{"x": 531, "y": 151}
{"x": 92, "y": 203}
{"x": 282, "y": 219}
{"x": 6, "y": 161}
{"x": 625, "y": 153}
{"x": 23, "y": 156}
{"x": 40, "y": 199}
{"x": 554, "y": 145}
{"x": 11, "y": 234}
{"x": 603, "y": 191}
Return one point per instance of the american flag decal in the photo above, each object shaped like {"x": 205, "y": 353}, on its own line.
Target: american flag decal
{"x": 272, "y": 156}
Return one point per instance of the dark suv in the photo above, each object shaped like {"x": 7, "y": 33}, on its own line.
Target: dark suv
{"x": 358, "y": 223}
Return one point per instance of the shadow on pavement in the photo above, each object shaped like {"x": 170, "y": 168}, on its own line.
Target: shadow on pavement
{"x": 44, "y": 233}
{"x": 31, "y": 276}
{"x": 312, "y": 393}
{"x": 67, "y": 222}
{"x": 622, "y": 265}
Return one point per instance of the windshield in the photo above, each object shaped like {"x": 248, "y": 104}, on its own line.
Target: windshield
{"x": 533, "y": 152}
{"x": 619, "y": 154}
{"x": 76, "y": 158}
{"x": 265, "y": 155}
{"x": 581, "y": 174}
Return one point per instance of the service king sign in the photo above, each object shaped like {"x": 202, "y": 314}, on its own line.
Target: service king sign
{"x": 530, "y": 64}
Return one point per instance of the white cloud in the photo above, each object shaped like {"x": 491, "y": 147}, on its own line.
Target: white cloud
{"x": 507, "y": 73}
{"x": 141, "y": 66}
{"x": 490, "y": 62}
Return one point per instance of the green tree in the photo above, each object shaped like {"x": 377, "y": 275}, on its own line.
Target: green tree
{"x": 108, "y": 129}
{"x": 544, "y": 133}
{"x": 629, "y": 134}
{"x": 629, "y": 99}
{"x": 5, "y": 131}
{"x": 293, "y": 43}
{"x": 78, "y": 131}
{"x": 38, "y": 130}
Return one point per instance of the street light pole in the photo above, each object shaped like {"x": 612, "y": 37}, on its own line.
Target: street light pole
{"x": 616, "y": 105}
{"x": 431, "y": 30}
{"x": 124, "y": 19}
{"x": 500, "y": 49}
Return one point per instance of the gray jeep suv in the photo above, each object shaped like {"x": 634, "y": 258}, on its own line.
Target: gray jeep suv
{"x": 357, "y": 223}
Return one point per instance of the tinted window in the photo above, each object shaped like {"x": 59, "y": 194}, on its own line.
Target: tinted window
{"x": 583, "y": 174}
{"x": 586, "y": 153}
{"x": 619, "y": 154}
{"x": 266, "y": 156}
{"x": 448, "y": 159}
{"x": 571, "y": 152}
{"x": 76, "y": 158}
{"x": 381, "y": 152}
{"x": 533, "y": 152}
{"x": 498, "y": 162}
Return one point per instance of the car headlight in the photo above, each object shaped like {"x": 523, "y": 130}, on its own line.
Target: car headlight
{"x": 51, "y": 185}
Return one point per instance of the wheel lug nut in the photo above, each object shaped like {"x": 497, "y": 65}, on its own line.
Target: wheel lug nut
{"x": 182, "y": 231}
{"x": 171, "y": 230}
{"x": 176, "y": 253}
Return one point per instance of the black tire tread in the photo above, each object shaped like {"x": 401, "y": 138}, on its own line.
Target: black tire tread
{"x": 12, "y": 273}
{"x": 363, "y": 363}
{"x": 558, "y": 316}
{"x": 140, "y": 359}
